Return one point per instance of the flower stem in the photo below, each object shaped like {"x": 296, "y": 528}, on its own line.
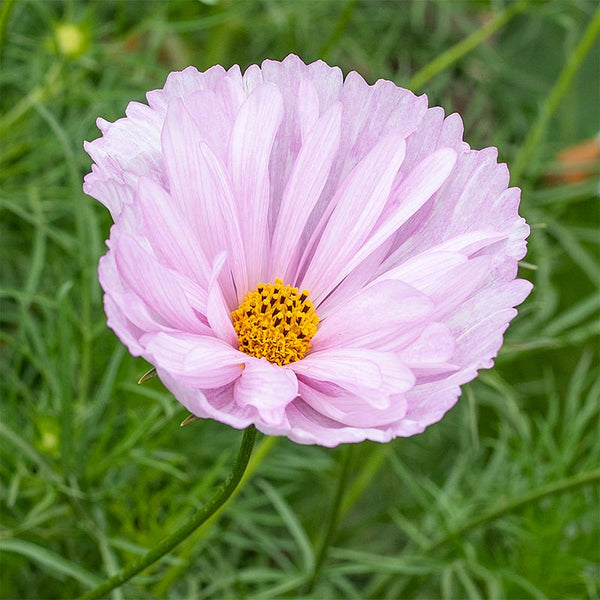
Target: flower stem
{"x": 219, "y": 498}
{"x": 556, "y": 487}
{"x": 527, "y": 152}
{"x": 333, "y": 518}
{"x": 456, "y": 52}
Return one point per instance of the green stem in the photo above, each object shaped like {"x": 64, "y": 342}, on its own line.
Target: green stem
{"x": 219, "y": 498}
{"x": 556, "y": 487}
{"x": 551, "y": 103}
{"x": 342, "y": 23}
{"x": 4, "y": 17}
{"x": 176, "y": 571}
{"x": 456, "y": 52}
{"x": 333, "y": 518}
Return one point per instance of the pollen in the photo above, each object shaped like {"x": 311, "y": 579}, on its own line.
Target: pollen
{"x": 275, "y": 321}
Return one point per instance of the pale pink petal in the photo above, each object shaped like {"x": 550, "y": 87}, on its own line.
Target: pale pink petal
{"x": 418, "y": 187}
{"x": 214, "y": 403}
{"x": 459, "y": 283}
{"x": 428, "y": 403}
{"x": 424, "y": 270}
{"x": 163, "y": 290}
{"x": 485, "y": 302}
{"x": 467, "y": 244}
{"x": 473, "y": 199}
{"x": 448, "y": 279}
{"x": 181, "y": 84}
{"x": 200, "y": 185}
{"x": 267, "y": 387}
{"x": 130, "y": 145}
{"x": 128, "y": 314}
{"x": 308, "y": 108}
{"x": 471, "y": 242}
{"x": 218, "y": 313}
{"x": 252, "y": 138}
{"x": 252, "y": 78}
{"x": 435, "y": 345}
{"x": 372, "y": 316}
{"x": 357, "y": 206}
{"x": 486, "y": 336}
{"x": 199, "y": 361}
{"x": 308, "y": 426}
{"x": 169, "y": 233}
{"x": 209, "y": 112}
{"x": 354, "y": 282}
{"x": 359, "y": 370}
{"x": 125, "y": 329}
{"x": 303, "y": 190}
{"x": 350, "y": 409}
{"x": 112, "y": 192}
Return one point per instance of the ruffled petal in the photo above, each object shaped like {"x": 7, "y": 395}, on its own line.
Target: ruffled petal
{"x": 355, "y": 209}
{"x": 252, "y": 138}
{"x": 217, "y": 312}
{"x": 199, "y": 184}
{"x": 308, "y": 426}
{"x": 198, "y": 361}
{"x": 172, "y": 239}
{"x": 266, "y": 387}
{"x": 163, "y": 290}
{"x": 360, "y": 371}
{"x": 214, "y": 403}
{"x": 418, "y": 187}
{"x": 374, "y": 315}
{"x": 303, "y": 189}
{"x": 209, "y": 112}
{"x": 350, "y": 409}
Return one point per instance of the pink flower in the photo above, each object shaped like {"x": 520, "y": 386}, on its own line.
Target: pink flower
{"x": 324, "y": 259}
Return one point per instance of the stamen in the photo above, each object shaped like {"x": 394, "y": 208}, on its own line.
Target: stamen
{"x": 275, "y": 322}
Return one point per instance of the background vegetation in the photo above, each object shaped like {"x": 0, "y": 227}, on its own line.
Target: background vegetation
{"x": 499, "y": 500}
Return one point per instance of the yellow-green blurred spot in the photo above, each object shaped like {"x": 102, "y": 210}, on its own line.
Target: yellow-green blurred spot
{"x": 49, "y": 442}
{"x": 48, "y": 439}
{"x": 71, "y": 40}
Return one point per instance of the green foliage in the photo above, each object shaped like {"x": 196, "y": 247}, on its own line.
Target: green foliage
{"x": 96, "y": 469}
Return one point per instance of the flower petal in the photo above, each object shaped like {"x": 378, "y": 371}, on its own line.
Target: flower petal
{"x": 199, "y": 361}
{"x": 308, "y": 426}
{"x": 308, "y": 108}
{"x": 303, "y": 189}
{"x": 466, "y": 244}
{"x": 217, "y": 312}
{"x": 418, "y": 187}
{"x": 434, "y": 345}
{"x": 163, "y": 290}
{"x": 424, "y": 270}
{"x": 215, "y": 403}
{"x": 169, "y": 233}
{"x": 252, "y": 138}
{"x": 373, "y": 315}
{"x": 208, "y": 111}
{"x": 350, "y": 409}
{"x": 356, "y": 206}
{"x": 267, "y": 387}
{"x": 200, "y": 185}
{"x": 360, "y": 371}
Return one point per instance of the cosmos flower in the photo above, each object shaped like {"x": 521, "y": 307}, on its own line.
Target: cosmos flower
{"x": 319, "y": 257}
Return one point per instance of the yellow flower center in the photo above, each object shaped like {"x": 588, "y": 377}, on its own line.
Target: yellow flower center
{"x": 276, "y": 322}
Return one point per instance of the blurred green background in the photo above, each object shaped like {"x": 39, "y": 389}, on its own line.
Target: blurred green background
{"x": 492, "y": 502}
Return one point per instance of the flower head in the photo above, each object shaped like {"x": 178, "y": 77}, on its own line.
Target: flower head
{"x": 322, "y": 258}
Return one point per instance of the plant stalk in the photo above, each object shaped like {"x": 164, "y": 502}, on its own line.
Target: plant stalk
{"x": 221, "y": 495}
{"x": 334, "y": 515}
